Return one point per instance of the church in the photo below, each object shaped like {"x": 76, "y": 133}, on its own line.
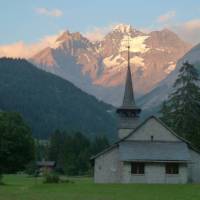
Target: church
{"x": 147, "y": 152}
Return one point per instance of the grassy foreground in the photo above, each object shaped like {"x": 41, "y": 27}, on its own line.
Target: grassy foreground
{"x": 21, "y": 187}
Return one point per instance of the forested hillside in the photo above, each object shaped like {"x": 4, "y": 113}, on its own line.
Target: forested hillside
{"x": 48, "y": 102}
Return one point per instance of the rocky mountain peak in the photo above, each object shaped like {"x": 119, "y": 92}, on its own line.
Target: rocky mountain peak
{"x": 101, "y": 67}
{"x": 123, "y": 28}
{"x": 64, "y": 36}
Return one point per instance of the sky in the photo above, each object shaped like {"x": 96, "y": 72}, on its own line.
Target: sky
{"x": 32, "y": 24}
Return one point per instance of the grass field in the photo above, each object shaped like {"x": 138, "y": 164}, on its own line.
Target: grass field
{"x": 22, "y": 187}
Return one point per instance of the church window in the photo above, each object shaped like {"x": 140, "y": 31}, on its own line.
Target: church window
{"x": 172, "y": 168}
{"x": 137, "y": 168}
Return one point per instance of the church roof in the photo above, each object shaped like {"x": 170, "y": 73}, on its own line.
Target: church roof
{"x": 116, "y": 144}
{"x": 153, "y": 151}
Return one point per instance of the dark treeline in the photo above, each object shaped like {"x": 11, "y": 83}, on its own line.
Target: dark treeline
{"x": 71, "y": 151}
{"x": 19, "y": 151}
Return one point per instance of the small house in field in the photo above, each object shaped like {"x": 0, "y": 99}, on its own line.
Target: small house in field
{"x": 46, "y": 166}
{"x": 147, "y": 152}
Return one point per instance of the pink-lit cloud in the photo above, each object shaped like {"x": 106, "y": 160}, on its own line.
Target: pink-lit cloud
{"x": 98, "y": 33}
{"x": 21, "y": 49}
{"x": 189, "y": 30}
{"x": 53, "y": 13}
{"x": 166, "y": 17}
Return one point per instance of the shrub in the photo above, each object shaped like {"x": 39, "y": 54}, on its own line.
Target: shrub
{"x": 66, "y": 181}
{"x": 1, "y": 179}
{"x": 31, "y": 168}
{"x": 51, "y": 178}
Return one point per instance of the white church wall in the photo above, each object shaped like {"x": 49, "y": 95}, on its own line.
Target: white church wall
{"x": 153, "y": 128}
{"x": 154, "y": 173}
{"x": 107, "y": 167}
{"x": 125, "y": 178}
{"x": 194, "y": 167}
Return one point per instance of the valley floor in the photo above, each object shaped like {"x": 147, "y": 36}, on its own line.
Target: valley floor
{"x": 22, "y": 187}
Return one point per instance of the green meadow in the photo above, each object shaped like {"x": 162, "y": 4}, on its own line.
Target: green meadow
{"x": 22, "y": 187}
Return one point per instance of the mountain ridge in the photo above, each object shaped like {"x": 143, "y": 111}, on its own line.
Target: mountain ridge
{"x": 48, "y": 102}
{"x": 99, "y": 68}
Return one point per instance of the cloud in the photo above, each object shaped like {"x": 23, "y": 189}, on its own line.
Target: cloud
{"x": 166, "y": 17}
{"x": 98, "y": 33}
{"x": 21, "y": 49}
{"x": 53, "y": 13}
{"x": 192, "y": 24}
{"x": 189, "y": 30}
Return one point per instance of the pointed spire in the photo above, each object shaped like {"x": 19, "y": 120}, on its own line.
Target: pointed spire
{"x": 129, "y": 105}
{"x": 129, "y": 100}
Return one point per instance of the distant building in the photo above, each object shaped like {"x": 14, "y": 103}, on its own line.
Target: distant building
{"x": 147, "y": 152}
{"x": 46, "y": 166}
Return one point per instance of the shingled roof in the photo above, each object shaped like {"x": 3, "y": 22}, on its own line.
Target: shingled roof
{"x": 153, "y": 151}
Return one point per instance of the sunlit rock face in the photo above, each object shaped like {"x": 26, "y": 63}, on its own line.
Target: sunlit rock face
{"x": 99, "y": 67}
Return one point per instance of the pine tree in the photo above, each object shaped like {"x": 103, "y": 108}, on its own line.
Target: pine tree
{"x": 17, "y": 146}
{"x": 181, "y": 111}
{"x": 99, "y": 144}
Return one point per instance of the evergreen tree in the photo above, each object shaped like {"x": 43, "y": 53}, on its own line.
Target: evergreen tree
{"x": 1, "y": 176}
{"x": 56, "y": 149}
{"x": 16, "y": 143}
{"x": 181, "y": 111}
{"x": 77, "y": 154}
{"x": 99, "y": 144}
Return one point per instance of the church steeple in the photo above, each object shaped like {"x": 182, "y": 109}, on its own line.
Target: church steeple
{"x": 129, "y": 100}
{"x": 128, "y": 112}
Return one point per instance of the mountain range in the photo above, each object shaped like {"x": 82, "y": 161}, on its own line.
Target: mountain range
{"x": 98, "y": 68}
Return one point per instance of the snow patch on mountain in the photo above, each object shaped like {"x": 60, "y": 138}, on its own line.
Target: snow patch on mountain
{"x": 138, "y": 61}
{"x": 160, "y": 49}
{"x": 123, "y": 28}
{"x": 137, "y": 44}
{"x": 88, "y": 59}
{"x": 114, "y": 61}
{"x": 118, "y": 62}
{"x": 170, "y": 68}
{"x": 110, "y": 61}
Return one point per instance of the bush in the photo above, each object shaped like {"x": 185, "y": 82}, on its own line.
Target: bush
{"x": 31, "y": 168}
{"x": 66, "y": 181}
{"x": 1, "y": 179}
{"x": 51, "y": 178}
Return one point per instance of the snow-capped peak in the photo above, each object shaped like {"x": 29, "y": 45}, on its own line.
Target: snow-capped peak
{"x": 123, "y": 28}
